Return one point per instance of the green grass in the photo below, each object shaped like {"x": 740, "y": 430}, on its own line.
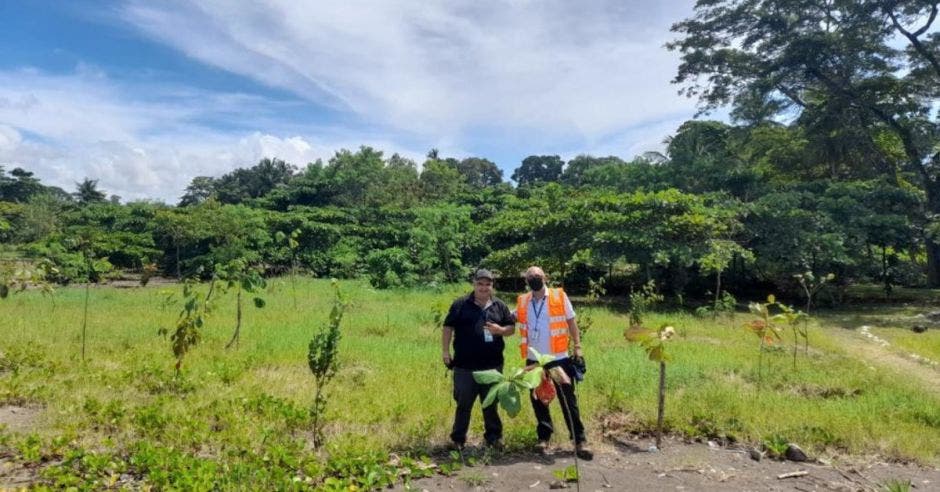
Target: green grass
{"x": 239, "y": 417}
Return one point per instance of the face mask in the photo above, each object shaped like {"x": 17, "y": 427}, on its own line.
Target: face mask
{"x": 535, "y": 283}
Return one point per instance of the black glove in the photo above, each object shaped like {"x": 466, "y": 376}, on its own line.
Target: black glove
{"x": 579, "y": 366}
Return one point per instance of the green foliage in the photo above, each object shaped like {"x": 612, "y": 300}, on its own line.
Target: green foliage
{"x": 508, "y": 390}
{"x": 238, "y": 274}
{"x": 323, "y": 360}
{"x": 196, "y": 307}
{"x": 567, "y": 474}
{"x": 641, "y": 301}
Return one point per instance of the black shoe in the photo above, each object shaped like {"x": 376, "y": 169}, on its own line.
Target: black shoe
{"x": 582, "y": 451}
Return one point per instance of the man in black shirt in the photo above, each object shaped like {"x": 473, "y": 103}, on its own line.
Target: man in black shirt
{"x": 477, "y": 323}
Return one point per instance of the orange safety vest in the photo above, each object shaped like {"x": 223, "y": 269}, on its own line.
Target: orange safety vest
{"x": 557, "y": 322}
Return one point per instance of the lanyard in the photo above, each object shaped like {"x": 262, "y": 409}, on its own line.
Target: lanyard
{"x": 537, "y": 311}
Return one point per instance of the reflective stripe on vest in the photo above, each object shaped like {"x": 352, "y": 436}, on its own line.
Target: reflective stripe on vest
{"x": 557, "y": 322}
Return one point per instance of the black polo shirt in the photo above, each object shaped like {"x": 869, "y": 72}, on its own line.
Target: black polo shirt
{"x": 471, "y": 351}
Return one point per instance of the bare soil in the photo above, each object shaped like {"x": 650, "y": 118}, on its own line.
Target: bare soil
{"x": 622, "y": 465}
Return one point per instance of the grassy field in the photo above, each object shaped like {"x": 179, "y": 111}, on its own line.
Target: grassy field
{"x": 240, "y": 417}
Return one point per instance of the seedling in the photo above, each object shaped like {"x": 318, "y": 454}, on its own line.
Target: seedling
{"x": 238, "y": 274}
{"x": 323, "y": 360}
{"x": 654, "y": 343}
{"x": 508, "y": 389}
{"x": 795, "y": 320}
{"x": 292, "y": 246}
{"x": 764, "y": 328}
{"x": 811, "y": 285}
{"x": 192, "y": 317}
{"x": 586, "y": 316}
{"x": 567, "y": 474}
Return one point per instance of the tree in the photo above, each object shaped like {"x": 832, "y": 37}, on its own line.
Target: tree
{"x": 479, "y": 173}
{"x": 20, "y": 186}
{"x": 87, "y": 192}
{"x": 576, "y": 169}
{"x": 770, "y": 57}
{"x": 537, "y": 169}
{"x": 200, "y": 189}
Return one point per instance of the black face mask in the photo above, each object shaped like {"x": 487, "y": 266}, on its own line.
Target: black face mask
{"x": 535, "y": 283}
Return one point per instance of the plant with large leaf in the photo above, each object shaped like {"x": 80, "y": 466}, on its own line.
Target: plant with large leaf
{"x": 654, "y": 343}
{"x": 508, "y": 389}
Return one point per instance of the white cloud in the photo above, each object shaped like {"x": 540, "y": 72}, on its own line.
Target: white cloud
{"x": 587, "y": 69}
{"x": 65, "y": 128}
{"x": 464, "y": 77}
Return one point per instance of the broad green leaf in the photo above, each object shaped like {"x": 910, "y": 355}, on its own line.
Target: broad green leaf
{"x": 490, "y": 397}
{"x": 533, "y": 378}
{"x": 259, "y": 302}
{"x": 487, "y": 377}
{"x": 510, "y": 401}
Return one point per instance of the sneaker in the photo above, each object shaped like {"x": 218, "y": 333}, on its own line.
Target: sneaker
{"x": 543, "y": 447}
{"x": 583, "y": 452}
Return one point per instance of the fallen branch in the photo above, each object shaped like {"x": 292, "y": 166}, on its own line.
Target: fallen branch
{"x": 793, "y": 474}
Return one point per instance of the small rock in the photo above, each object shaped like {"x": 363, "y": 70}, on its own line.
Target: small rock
{"x": 652, "y": 449}
{"x": 934, "y": 316}
{"x": 713, "y": 445}
{"x": 919, "y": 328}
{"x": 794, "y": 453}
{"x": 755, "y": 454}
{"x": 557, "y": 484}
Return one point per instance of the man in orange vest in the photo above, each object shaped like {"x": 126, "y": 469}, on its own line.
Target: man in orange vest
{"x": 547, "y": 324}
{"x": 477, "y": 324}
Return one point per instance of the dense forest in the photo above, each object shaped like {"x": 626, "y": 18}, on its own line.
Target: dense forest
{"x": 756, "y": 204}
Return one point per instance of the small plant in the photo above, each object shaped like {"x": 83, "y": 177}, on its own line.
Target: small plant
{"x": 567, "y": 474}
{"x": 654, "y": 343}
{"x": 764, "y": 328}
{"x": 238, "y": 274}
{"x": 508, "y": 389}
{"x": 192, "y": 317}
{"x": 776, "y": 446}
{"x": 323, "y": 360}
{"x": 586, "y": 316}
{"x": 641, "y": 301}
{"x": 720, "y": 254}
{"x": 811, "y": 286}
{"x": 95, "y": 268}
{"x": 896, "y": 485}
{"x": 292, "y": 245}
{"x": 795, "y": 320}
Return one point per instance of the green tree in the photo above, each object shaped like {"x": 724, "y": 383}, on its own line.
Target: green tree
{"x": 768, "y": 57}
{"x": 537, "y": 169}
{"x": 87, "y": 192}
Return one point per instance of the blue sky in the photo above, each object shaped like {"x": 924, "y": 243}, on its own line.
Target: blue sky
{"x": 145, "y": 95}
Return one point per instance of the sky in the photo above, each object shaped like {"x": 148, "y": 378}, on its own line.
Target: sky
{"x": 143, "y": 96}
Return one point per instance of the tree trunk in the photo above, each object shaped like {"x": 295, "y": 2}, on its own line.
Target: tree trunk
{"x": 238, "y": 320}
{"x": 662, "y": 404}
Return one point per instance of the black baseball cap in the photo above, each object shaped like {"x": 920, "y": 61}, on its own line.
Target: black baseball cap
{"x": 483, "y": 273}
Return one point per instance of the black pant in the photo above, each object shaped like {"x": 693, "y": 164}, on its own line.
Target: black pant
{"x": 466, "y": 390}
{"x": 565, "y": 394}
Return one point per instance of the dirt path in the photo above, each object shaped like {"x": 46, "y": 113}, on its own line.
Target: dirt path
{"x": 881, "y": 354}
{"x": 627, "y": 465}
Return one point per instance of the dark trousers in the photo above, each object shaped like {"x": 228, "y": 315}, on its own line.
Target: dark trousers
{"x": 565, "y": 394}
{"x": 466, "y": 391}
